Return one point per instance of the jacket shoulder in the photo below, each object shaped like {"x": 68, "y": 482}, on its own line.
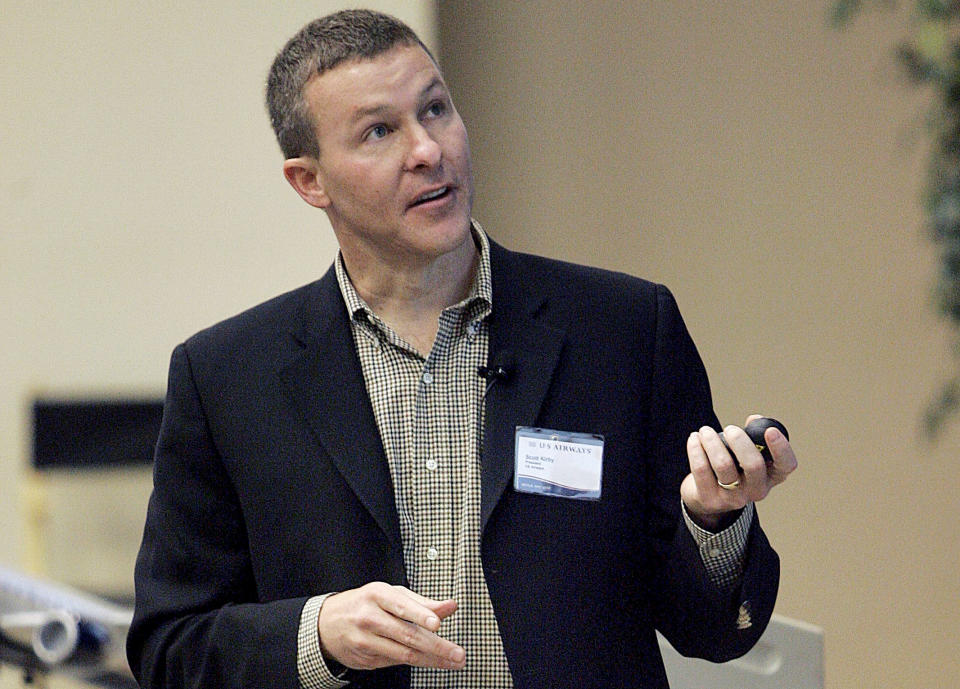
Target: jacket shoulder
{"x": 257, "y": 330}
{"x": 589, "y": 288}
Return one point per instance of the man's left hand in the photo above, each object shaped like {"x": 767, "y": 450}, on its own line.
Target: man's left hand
{"x": 714, "y": 487}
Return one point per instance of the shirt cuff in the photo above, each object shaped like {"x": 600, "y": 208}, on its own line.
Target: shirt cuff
{"x": 311, "y": 668}
{"x": 722, "y": 553}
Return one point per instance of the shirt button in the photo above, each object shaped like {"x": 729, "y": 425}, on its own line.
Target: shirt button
{"x": 427, "y": 377}
{"x": 714, "y": 552}
{"x": 432, "y": 553}
{"x": 432, "y": 464}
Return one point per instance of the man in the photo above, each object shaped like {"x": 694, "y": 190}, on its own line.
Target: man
{"x": 343, "y": 490}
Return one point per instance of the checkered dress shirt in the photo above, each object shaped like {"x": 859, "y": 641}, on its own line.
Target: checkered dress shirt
{"x": 429, "y": 411}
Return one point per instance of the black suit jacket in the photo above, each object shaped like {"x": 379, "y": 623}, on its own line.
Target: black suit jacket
{"x": 271, "y": 485}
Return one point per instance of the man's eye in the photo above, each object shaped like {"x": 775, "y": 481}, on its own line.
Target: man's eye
{"x": 436, "y": 109}
{"x": 378, "y": 132}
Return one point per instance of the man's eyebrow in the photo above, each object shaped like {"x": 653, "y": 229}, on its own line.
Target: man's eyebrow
{"x": 436, "y": 81}
{"x": 369, "y": 112}
{"x": 377, "y": 110}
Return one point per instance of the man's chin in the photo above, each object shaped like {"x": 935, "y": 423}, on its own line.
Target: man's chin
{"x": 442, "y": 238}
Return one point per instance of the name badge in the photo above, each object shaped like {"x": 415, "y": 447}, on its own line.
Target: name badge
{"x": 558, "y": 463}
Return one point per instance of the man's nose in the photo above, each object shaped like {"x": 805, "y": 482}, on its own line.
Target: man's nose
{"x": 424, "y": 150}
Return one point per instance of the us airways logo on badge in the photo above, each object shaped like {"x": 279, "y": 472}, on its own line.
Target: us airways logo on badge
{"x": 558, "y": 463}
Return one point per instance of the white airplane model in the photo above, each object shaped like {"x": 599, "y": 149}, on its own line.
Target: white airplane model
{"x": 47, "y": 627}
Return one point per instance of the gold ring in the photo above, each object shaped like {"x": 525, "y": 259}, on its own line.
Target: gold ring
{"x": 729, "y": 486}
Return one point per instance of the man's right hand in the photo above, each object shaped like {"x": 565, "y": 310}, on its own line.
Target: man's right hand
{"x": 379, "y": 625}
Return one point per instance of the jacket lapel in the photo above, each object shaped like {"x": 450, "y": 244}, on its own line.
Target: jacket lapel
{"x": 520, "y": 337}
{"x": 325, "y": 382}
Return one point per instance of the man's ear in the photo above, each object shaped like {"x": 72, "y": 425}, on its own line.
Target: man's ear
{"x": 303, "y": 175}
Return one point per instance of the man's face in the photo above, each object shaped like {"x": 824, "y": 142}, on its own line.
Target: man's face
{"x": 394, "y": 165}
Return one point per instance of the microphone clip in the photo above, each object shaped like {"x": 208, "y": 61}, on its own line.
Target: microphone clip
{"x": 493, "y": 373}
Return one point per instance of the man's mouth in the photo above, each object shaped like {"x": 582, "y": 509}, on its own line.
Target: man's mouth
{"x": 433, "y": 195}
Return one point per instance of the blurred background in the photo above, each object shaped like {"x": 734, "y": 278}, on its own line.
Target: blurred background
{"x": 765, "y": 166}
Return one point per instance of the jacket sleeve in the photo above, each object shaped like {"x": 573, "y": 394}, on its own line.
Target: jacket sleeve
{"x": 698, "y": 618}
{"x": 198, "y": 619}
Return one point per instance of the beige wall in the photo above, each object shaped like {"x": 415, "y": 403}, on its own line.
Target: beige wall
{"x": 767, "y": 169}
{"x": 141, "y": 198}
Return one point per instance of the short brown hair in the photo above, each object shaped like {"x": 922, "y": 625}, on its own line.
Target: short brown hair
{"x": 320, "y": 46}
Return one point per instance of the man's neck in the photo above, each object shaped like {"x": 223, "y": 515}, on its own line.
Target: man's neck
{"x": 409, "y": 297}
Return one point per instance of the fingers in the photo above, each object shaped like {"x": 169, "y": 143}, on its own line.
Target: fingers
{"x": 379, "y": 625}
{"x": 725, "y": 469}
{"x": 784, "y": 460}
{"x": 441, "y": 609}
{"x": 711, "y": 464}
